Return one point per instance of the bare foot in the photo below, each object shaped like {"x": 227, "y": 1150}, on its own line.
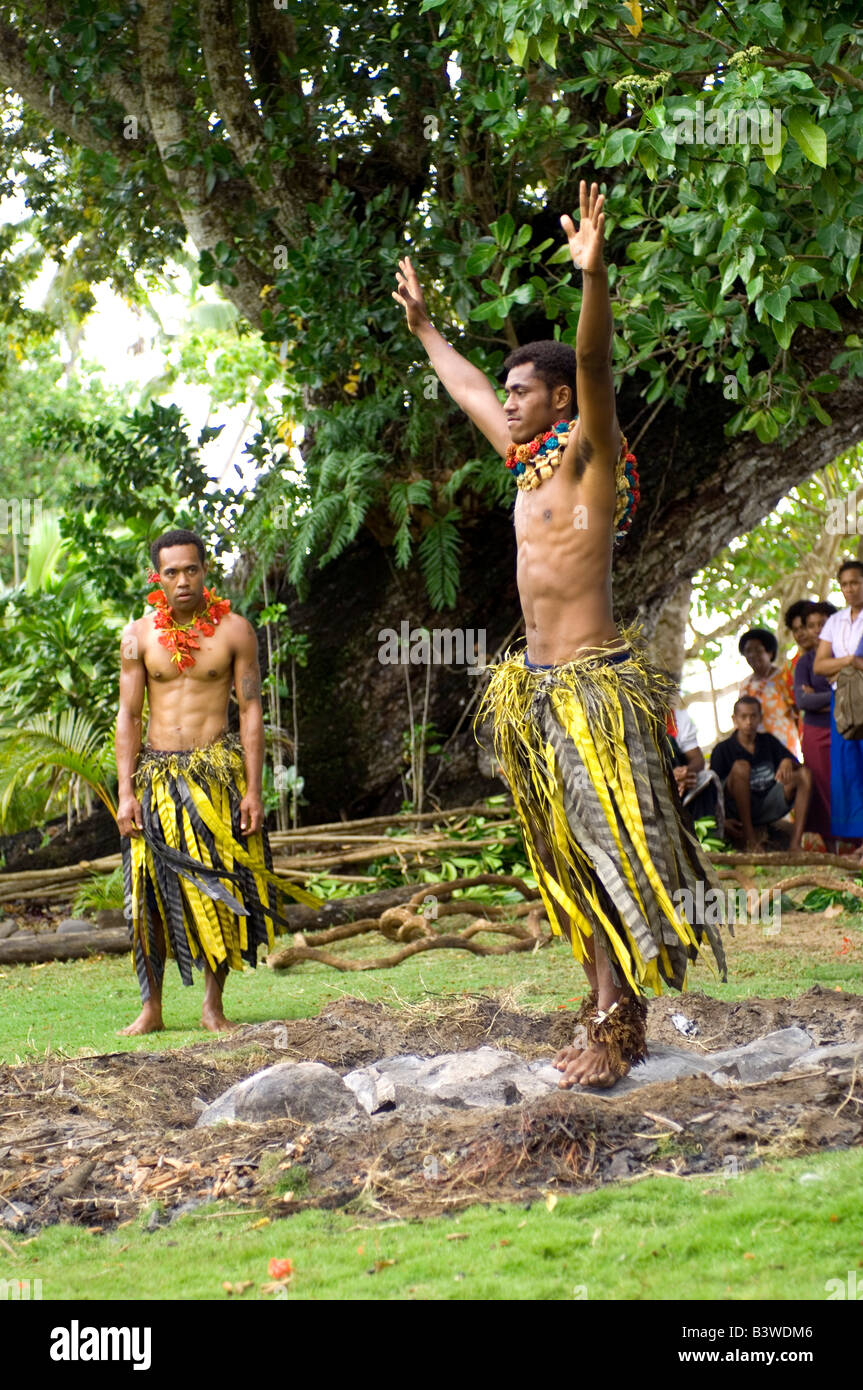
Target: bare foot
{"x": 149, "y": 1020}
{"x": 854, "y": 855}
{"x": 566, "y": 1055}
{"x": 591, "y": 1068}
{"x": 215, "y": 1022}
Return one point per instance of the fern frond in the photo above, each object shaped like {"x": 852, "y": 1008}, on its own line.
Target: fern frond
{"x": 439, "y": 557}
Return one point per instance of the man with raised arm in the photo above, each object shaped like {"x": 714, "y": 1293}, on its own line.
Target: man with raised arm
{"x": 197, "y": 866}
{"x": 579, "y": 715}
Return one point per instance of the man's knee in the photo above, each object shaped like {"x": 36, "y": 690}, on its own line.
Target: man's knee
{"x": 740, "y": 770}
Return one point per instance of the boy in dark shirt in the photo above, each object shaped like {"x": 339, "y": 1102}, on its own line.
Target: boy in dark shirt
{"x": 760, "y": 777}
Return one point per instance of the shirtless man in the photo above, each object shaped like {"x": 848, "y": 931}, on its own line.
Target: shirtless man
{"x": 563, "y": 566}
{"x": 188, "y": 709}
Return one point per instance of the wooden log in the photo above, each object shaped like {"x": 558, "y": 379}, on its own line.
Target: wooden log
{"x": 337, "y": 910}
{"x": 70, "y": 946}
{"x": 402, "y": 818}
{"x": 804, "y": 858}
{"x": 283, "y": 960}
{"x": 403, "y": 849}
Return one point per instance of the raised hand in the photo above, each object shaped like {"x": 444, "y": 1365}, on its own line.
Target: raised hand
{"x": 409, "y": 294}
{"x": 586, "y": 244}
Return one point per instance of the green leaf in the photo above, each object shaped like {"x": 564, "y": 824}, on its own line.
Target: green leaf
{"x": 548, "y": 49}
{"x": 777, "y": 302}
{"x": 502, "y": 229}
{"x": 517, "y": 47}
{"x": 809, "y": 136}
{"x": 481, "y": 257}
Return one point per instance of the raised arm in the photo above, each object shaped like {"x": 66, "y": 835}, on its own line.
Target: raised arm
{"x": 247, "y": 684}
{"x": 127, "y": 738}
{"x": 468, "y": 386}
{"x": 598, "y": 435}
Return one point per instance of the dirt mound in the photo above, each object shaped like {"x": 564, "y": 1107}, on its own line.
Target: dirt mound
{"x": 96, "y": 1139}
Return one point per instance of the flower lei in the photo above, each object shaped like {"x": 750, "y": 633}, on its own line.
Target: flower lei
{"x": 180, "y": 638}
{"x": 532, "y": 463}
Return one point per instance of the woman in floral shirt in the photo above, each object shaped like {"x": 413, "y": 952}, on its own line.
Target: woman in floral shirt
{"x": 773, "y": 685}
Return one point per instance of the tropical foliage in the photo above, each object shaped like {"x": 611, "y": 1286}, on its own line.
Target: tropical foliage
{"x": 303, "y": 158}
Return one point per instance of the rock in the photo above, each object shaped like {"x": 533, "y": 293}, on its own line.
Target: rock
{"x": 761, "y": 1058}
{"x": 7, "y": 929}
{"x": 374, "y": 1090}
{"x": 621, "y": 1164}
{"x": 16, "y": 1216}
{"x": 665, "y": 1063}
{"x": 306, "y": 1091}
{"x": 483, "y": 1077}
{"x": 73, "y": 926}
{"x": 840, "y": 1052}
{"x": 110, "y": 917}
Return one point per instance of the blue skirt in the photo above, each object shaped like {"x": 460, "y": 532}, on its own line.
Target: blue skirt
{"x": 846, "y": 783}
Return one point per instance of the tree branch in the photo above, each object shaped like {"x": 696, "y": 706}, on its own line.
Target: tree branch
{"x": 17, "y": 74}
{"x": 168, "y": 102}
{"x": 232, "y": 98}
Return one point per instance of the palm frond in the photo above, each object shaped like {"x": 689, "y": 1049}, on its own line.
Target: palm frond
{"x": 68, "y": 742}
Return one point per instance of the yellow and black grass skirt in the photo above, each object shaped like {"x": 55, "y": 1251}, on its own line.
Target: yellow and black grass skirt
{"x": 584, "y": 749}
{"x": 193, "y": 870}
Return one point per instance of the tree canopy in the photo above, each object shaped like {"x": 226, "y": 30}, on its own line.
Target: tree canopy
{"x": 302, "y": 148}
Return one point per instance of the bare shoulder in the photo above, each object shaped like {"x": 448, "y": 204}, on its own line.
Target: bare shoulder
{"x": 239, "y": 629}
{"x": 132, "y": 638}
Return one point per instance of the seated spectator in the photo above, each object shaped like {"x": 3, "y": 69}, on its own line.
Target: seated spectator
{"x": 813, "y": 695}
{"x": 839, "y": 642}
{"x": 761, "y": 779}
{"x": 699, "y": 788}
{"x": 772, "y": 686}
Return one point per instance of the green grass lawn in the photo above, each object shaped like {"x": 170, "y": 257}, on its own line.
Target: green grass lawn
{"x": 778, "y": 1232}
{"x": 78, "y": 1006}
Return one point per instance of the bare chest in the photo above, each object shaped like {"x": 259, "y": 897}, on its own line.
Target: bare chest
{"x": 213, "y": 661}
{"x": 557, "y": 513}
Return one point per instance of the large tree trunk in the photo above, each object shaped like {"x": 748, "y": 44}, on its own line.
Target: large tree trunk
{"x": 699, "y": 491}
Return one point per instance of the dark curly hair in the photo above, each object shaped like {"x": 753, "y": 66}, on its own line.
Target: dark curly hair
{"x": 761, "y": 634}
{"x": 553, "y": 362}
{"x": 800, "y": 609}
{"x": 170, "y": 538}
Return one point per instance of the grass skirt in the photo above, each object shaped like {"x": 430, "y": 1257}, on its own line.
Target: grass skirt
{"x": 211, "y": 886}
{"x": 584, "y": 749}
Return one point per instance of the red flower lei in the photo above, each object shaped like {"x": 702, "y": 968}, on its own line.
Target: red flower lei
{"x": 180, "y": 638}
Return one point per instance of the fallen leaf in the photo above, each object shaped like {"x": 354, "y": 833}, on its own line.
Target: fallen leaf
{"x": 236, "y": 1288}
{"x": 504, "y": 1242}
{"x": 379, "y": 1265}
{"x": 521, "y": 1224}
{"x": 459, "y": 1235}
{"x": 834, "y": 910}
{"x": 550, "y": 1201}
{"x": 748, "y": 1255}
{"x": 361, "y": 1249}
{"x": 264, "y": 1221}
{"x": 280, "y": 1269}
